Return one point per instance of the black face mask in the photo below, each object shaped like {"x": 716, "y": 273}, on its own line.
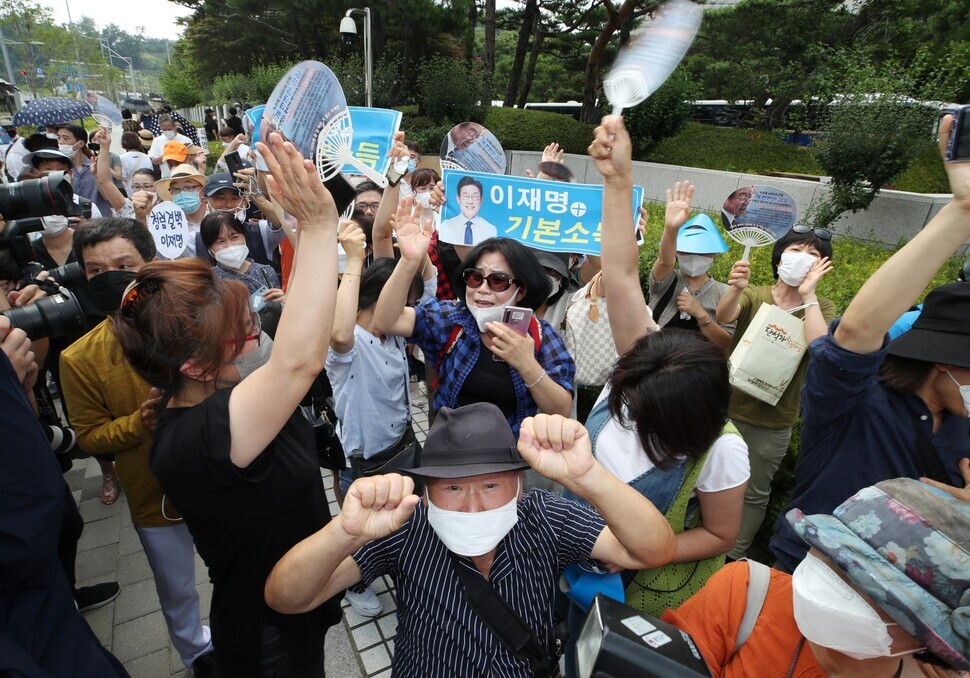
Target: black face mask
{"x": 102, "y": 294}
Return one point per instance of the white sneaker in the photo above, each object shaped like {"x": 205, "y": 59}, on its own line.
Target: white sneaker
{"x": 366, "y": 604}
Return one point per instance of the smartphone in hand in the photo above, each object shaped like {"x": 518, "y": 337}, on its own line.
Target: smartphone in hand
{"x": 958, "y": 147}
{"x": 518, "y": 319}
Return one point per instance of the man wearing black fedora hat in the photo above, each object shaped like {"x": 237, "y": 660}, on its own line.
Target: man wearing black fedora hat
{"x": 474, "y": 522}
{"x": 874, "y": 410}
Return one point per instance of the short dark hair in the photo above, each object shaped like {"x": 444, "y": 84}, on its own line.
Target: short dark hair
{"x": 904, "y": 375}
{"x": 130, "y": 141}
{"x": 146, "y": 172}
{"x": 212, "y": 225}
{"x": 424, "y": 176}
{"x": 523, "y": 266}
{"x": 226, "y": 132}
{"x": 209, "y": 111}
{"x": 77, "y": 131}
{"x": 36, "y": 141}
{"x": 365, "y": 186}
{"x": 232, "y": 110}
{"x": 413, "y": 146}
{"x": 824, "y": 247}
{"x": 469, "y": 181}
{"x": 374, "y": 278}
{"x": 96, "y": 231}
{"x": 126, "y": 114}
{"x": 672, "y": 388}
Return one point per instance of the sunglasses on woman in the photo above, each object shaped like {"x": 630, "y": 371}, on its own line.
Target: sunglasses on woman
{"x": 497, "y": 281}
{"x": 820, "y": 233}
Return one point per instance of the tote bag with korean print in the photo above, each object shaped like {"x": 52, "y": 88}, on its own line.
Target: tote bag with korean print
{"x": 765, "y": 360}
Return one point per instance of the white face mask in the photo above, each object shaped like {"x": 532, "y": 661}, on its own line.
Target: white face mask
{"x": 794, "y": 266}
{"x": 169, "y": 134}
{"x": 693, "y": 265}
{"x": 232, "y": 257}
{"x": 423, "y": 199}
{"x": 67, "y": 149}
{"x": 240, "y": 215}
{"x": 51, "y": 136}
{"x": 54, "y": 225}
{"x": 832, "y": 614}
{"x": 555, "y": 283}
{"x": 491, "y": 314}
{"x": 964, "y": 392}
{"x": 473, "y": 534}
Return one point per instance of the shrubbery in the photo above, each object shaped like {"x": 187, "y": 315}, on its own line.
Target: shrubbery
{"x": 526, "y": 130}
{"x": 733, "y": 150}
{"x": 661, "y": 116}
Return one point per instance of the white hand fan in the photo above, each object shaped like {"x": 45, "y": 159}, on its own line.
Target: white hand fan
{"x": 651, "y": 55}
{"x": 333, "y": 151}
{"x": 449, "y": 165}
{"x": 751, "y": 236}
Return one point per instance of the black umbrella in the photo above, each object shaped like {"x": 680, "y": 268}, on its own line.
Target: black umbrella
{"x": 51, "y": 111}
{"x": 136, "y": 105}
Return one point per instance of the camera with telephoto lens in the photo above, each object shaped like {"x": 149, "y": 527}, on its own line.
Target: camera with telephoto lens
{"x": 59, "y": 315}
{"x": 44, "y": 197}
{"x": 69, "y": 275}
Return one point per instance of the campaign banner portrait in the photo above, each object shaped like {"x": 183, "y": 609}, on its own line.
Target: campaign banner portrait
{"x": 546, "y": 215}
{"x": 105, "y": 111}
{"x": 302, "y": 103}
{"x": 169, "y": 228}
{"x": 469, "y": 146}
{"x": 374, "y": 130}
{"x": 766, "y": 208}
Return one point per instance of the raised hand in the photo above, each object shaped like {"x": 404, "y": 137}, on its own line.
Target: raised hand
{"x": 612, "y": 150}
{"x": 296, "y": 185}
{"x": 413, "y": 233}
{"x": 678, "y": 205}
{"x": 556, "y": 447}
{"x": 375, "y": 507}
{"x": 740, "y": 274}
{"x": 353, "y": 240}
{"x": 552, "y": 153}
{"x": 821, "y": 268}
{"x": 957, "y": 172}
{"x": 963, "y": 494}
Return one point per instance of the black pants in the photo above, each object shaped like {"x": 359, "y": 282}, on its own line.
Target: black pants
{"x": 72, "y": 524}
{"x": 277, "y": 663}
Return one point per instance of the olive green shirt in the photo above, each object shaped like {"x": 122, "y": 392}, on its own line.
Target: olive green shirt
{"x": 748, "y": 408}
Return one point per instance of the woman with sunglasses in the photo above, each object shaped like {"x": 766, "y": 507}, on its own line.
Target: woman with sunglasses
{"x": 800, "y": 259}
{"x": 231, "y": 450}
{"x": 478, "y": 358}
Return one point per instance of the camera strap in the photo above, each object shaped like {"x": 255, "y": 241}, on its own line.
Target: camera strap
{"x": 504, "y": 622}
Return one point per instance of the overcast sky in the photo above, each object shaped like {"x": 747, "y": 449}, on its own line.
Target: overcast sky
{"x": 157, "y": 16}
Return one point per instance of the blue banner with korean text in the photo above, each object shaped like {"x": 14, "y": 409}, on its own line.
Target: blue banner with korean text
{"x": 374, "y": 130}
{"x": 547, "y": 215}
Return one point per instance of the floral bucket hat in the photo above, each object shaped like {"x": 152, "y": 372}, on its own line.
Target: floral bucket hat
{"x": 907, "y": 545}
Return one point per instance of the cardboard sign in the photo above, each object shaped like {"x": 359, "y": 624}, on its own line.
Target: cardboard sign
{"x": 374, "y": 130}
{"x": 169, "y": 228}
{"x": 302, "y": 103}
{"x": 471, "y": 147}
{"x": 546, "y": 215}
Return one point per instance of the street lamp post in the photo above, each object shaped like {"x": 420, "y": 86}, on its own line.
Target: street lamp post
{"x": 348, "y": 29}
{"x": 6, "y": 60}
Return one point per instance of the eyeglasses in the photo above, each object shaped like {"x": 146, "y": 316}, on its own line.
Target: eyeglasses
{"x": 137, "y": 294}
{"x": 365, "y": 206}
{"x": 497, "y": 282}
{"x": 255, "y": 331}
{"x": 820, "y": 233}
{"x": 194, "y": 188}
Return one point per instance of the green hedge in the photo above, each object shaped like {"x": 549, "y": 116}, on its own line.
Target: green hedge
{"x": 524, "y": 130}
{"x": 733, "y": 150}
{"x": 854, "y": 262}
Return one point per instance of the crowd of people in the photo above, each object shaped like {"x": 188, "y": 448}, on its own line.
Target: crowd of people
{"x": 603, "y": 443}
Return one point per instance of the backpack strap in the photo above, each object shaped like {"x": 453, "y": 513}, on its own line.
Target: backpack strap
{"x": 759, "y": 578}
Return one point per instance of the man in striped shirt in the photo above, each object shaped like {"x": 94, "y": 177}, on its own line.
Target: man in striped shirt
{"x": 474, "y": 516}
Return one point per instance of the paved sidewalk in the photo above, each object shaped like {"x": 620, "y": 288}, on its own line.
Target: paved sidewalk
{"x": 132, "y": 626}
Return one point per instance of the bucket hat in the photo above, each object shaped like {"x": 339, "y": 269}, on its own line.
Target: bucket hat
{"x": 941, "y": 333}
